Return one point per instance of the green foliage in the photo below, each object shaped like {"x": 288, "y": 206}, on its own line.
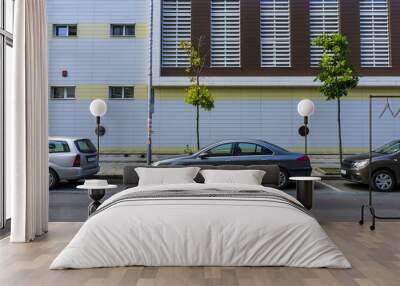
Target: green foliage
{"x": 197, "y": 94}
{"x": 336, "y": 76}
{"x": 193, "y": 54}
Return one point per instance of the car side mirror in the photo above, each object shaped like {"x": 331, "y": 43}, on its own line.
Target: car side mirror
{"x": 203, "y": 155}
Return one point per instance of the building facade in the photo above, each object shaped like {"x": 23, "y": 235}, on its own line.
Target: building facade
{"x": 260, "y": 63}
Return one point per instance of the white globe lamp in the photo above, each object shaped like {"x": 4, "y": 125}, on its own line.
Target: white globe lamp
{"x": 305, "y": 108}
{"x": 98, "y": 108}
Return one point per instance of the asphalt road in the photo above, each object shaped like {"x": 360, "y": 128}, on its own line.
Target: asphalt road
{"x": 334, "y": 200}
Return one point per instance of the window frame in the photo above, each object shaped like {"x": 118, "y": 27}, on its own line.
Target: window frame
{"x": 223, "y": 42}
{"x": 52, "y": 88}
{"x": 176, "y": 26}
{"x": 123, "y": 87}
{"x": 271, "y": 23}
{"x": 372, "y": 57}
{"x": 322, "y": 12}
{"x": 68, "y": 26}
{"x": 124, "y": 35}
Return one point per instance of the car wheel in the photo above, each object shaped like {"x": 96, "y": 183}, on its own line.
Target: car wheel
{"x": 383, "y": 181}
{"x": 53, "y": 179}
{"x": 283, "y": 179}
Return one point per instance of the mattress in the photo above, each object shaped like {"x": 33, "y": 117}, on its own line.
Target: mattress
{"x": 201, "y": 225}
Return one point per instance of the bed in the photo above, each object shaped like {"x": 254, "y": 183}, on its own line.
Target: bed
{"x": 195, "y": 224}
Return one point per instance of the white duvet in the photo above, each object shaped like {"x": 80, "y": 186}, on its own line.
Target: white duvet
{"x": 202, "y": 232}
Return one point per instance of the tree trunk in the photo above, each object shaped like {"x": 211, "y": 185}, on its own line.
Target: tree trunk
{"x": 339, "y": 131}
{"x": 198, "y": 126}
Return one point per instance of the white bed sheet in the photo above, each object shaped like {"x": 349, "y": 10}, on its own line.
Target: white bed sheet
{"x": 200, "y": 232}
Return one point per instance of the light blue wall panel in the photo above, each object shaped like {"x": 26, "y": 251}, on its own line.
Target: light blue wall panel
{"x": 274, "y": 120}
{"x": 125, "y": 121}
{"x": 97, "y": 11}
{"x": 108, "y": 61}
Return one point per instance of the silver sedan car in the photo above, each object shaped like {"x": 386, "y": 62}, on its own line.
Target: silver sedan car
{"x": 71, "y": 159}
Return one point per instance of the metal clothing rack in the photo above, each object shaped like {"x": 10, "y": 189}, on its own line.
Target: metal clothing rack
{"x": 370, "y": 201}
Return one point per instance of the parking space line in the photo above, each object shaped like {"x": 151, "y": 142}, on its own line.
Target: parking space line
{"x": 331, "y": 187}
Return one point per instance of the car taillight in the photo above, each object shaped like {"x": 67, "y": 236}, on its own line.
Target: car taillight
{"x": 77, "y": 161}
{"x": 303, "y": 159}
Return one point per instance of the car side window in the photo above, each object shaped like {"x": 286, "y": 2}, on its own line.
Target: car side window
{"x": 246, "y": 149}
{"x": 221, "y": 150}
{"x": 58, "y": 147}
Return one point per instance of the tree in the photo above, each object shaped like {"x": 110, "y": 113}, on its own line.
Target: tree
{"x": 197, "y": 95}
{"x": 335, "y": 74}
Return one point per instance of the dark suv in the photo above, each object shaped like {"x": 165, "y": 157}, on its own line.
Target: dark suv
{"x": 385, "y": 167}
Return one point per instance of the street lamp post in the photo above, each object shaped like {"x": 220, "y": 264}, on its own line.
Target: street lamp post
{"x": 305, "y": 108}
{"x": 98, "y": 109}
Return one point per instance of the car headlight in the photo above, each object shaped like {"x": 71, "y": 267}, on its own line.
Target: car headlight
{"x": 360, "y": 164}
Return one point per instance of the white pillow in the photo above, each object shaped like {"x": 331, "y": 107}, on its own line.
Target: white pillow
{"x": 248, "y": 177}
{"x": 166, "y": 176}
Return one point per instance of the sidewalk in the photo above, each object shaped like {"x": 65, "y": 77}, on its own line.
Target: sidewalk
{"x": 324, "y": 161}
{"x": 113, "y": 165}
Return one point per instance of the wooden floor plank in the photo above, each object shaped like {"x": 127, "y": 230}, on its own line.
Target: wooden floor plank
{"x": 375, "y": 257}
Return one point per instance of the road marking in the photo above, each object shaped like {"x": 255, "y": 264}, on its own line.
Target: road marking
{"x": 331, "y": 187}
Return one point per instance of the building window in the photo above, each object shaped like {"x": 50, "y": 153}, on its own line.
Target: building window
{"x": 65, "y": 30}
{"x": 324, "y": 19}
{"x": 374, "y": 33}
{"x": 275, "y": 33}
{"x": 176, "y": 27}
{"x": 62, "y": 92}
{"x": 122, "y": 30}
{"x": 122, "y": 92}
{"x": 225, "y": 33}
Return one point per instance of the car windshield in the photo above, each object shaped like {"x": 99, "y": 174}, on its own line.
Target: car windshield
{"x": 390, "y": 148}
{"x": 85, "y": 146}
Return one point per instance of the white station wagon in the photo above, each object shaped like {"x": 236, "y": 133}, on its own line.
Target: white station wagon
{"x": 71, "y": 159}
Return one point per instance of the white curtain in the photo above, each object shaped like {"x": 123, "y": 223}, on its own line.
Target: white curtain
{"x": 26, "y": 120}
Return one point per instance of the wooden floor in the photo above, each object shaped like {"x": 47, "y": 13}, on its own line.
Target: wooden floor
{"x": 375, "y": 257}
